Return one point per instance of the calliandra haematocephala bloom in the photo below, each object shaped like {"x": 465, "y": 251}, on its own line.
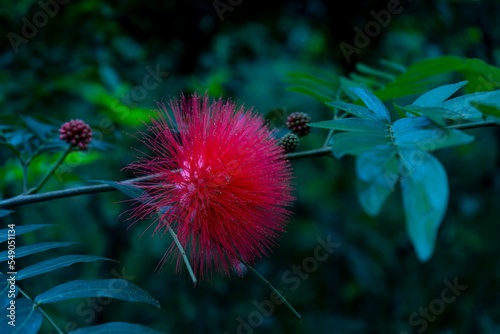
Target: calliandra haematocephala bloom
{"x": 218, "y": 178}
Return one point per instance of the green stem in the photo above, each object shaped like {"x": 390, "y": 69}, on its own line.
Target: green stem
{"x": 335, "y": 116}
{"x": 327, "y": 150}
{"x": 183, "y": 253}
{"x": 50, "y": 172}
{"x": 274, "y": 289}
{"x": 25, "y": 176}
{"x": 473, "y": 125}
{"x": 41, "y": 310}
{"x": 29, "y": 199}
{"x": 50, "y": 320}
{"x": 77, "y": 191}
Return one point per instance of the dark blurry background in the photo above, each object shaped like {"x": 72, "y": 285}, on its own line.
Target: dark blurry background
{"x": 108, "y": 62}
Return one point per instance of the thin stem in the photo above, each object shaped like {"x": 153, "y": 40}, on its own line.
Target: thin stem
{"x": 50, "y": 172}
{"x": 77, "y": 191}
{"x": 332, "y": 131}
{"x": 41, "y": 310}
{"x": 183, "y": 253}
{"x": 49, "y": 319}
{"x": 473, "y": 125}
{"x": 335, "y": 116}
{"x": 274, "y": 289}
{"x": 28, "y": 199}
{"x": 328, "y": 137}
{"x": 311, "y": 153}
{"x": 25, "y": 176}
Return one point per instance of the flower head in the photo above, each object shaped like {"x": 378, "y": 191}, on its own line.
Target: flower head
{"x": 77, "y": 133}
{"x": 298, "y": 123}
{"x": 289, "y": 142}
{"x": 218, "y": 178}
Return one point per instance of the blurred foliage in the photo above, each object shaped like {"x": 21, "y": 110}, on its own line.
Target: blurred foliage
{"x": 108, "y": 62}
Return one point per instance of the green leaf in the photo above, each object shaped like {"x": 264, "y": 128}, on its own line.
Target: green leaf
{"x": 492, "y": 112}
{"x": 354, "y": 143}
{"x": 41, "y": 130}
{"x": 35, "y": 248}
{"x": 377, "y": 172}
{"x": 358, "y": 111}
{"x": 400, "y": 110}
{"x": 322, "y": 89}
{"x": 109, "y": 76}
{"x": 318, "y": 95}
{"x": 374, "y": 72}
{"x": 4, "y": 213}
{"x": 374, "y": 104}
{"x": 464, "y": 105}
{"x": 346, "y": 84}
{"x": 55, "y": 263}
{"x": 11, "y": 147}
{"x": 52, "y": 145}
{"x": 21, "y": 229}
{"x": 100, "y": 145}
{"x": 28, "y": 318}
{"x": 421, "y": 72}
{"x": 115, "y": 328}
{"x": 421, "y": 133}
{"x": 425, "y": 198}
{"x": 396, "y": 67}
{"x": 352, "y": 124}
{"x": 311, "y": 78}
{"x": 128, "y": 189}
{"x": 410, "y": 123}
{"x": 481, "y": 76}
{"x": 438, "y": 95}
{"x": 110, "y": 288}
{"x": 438, "y": 115}
{"x": 421, "y": 76}
{"x": 368, "y": 82}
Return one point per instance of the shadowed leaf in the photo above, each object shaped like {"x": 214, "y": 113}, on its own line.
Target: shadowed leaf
{"x": 28, "y": 318}
{"x": 36, "y": 248}
{"x": 55, "y": 263}
{"x": 21, "y": 229}
{"x": 115, "y": 328}
{"x": 111, "y": 288}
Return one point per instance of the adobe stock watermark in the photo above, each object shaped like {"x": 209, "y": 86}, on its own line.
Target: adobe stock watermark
{"x": 91, "y": 306}
{"x": 221, "y": 7}
{"x": 437, "y": 306}
{"x": 40, "y": 18}
{"x": 139, "y": 93}
{"x": 363, "y": 37}
{"x": 292, "y": 278}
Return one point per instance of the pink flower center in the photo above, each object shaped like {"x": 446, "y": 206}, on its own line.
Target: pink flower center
{"x": 199, "y": 184}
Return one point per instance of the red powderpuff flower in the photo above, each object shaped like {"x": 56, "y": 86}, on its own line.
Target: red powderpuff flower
{"x": 218, "y": 178}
